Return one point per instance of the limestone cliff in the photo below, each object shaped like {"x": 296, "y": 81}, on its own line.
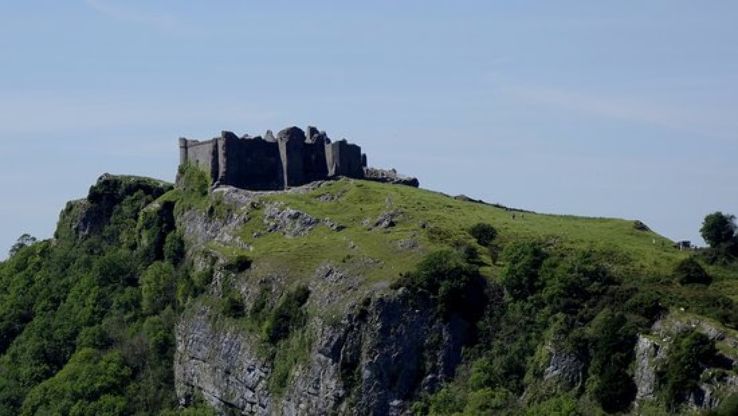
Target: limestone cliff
{"x": 364, "y": 348}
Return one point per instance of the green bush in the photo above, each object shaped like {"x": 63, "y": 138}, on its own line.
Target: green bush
{"x": 174, "y": 248}
{"x": 719, "y": 229}
{"x": 232, "y": 304}
{"x": 287, "y": 316}
{"x": 159, "y": 335}
{"x": 563, "y": 405}
{"x": 90, "y": 381}
{"x": 446, "y": 401}
{"x": 467, "y": 251}
{"x": 571, "y": 282}
{"x": 93, "y": 337}
{"x": 646, "y": 304}
{"x": 194, "y": 181}
{"x": 238, "y": 264}
{"x": 483, "y": 233}
{"x": 690, "y": 353}
{"x": 446, "y": 277}
{"x": 520, "y": 275}
{"x": 23, "y": 241}
{"x": 158, "y": 287}
{"x": 612, "y": 340}
{"x": 486, "y": 401}
{"x": 689, "y": 271}
{"x": 116, "y": 267}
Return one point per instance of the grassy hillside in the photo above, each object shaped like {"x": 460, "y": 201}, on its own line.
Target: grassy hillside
{"x": 86, "y": 319}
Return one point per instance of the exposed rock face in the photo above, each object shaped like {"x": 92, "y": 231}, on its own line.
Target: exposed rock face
{"x": 565, "y": 370}
{"x": 378, "y": 357}
{"x": 652, "y": 351}
{"x": 290, "y": 222}
{"x": 372, "y": 349}
{"x": 90, "y": 215}
{"x": 385, "y": 220}
{"x": 221, "y": 366}
{"x": 648, "y": 353}
{"x": 389, "y": 176}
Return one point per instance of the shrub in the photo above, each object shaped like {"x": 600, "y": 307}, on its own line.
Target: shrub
{"x": 718, "y": 229}
{"x": 563, "y": 405}
{"x": 451, "y": 281}
{"x": 469, "y": 252}
{"x": 494, "y": 252}
{"x": 23, "y": 241}
{"x": 158, "y": 287}
{"x": 239, "y": 264}
{"x": 232, "y": 304}
{"x": 194, "y": 181}
{"x": 483, "y": 233}
{"x": 117, "y": 267}
{"x": 490, "y": 402}
{"x": 93, "y": 337}
{"x": 523, "y": 262}
{"x": 689, "y": 271}
{"x": 174, "y": 248}
{"x": 446, "y": 402}
{"x": 684, "y": 365}
{"x": 645, "y": 304}
{"x": 571, "y": 282}
{"x": 287, "y": 315}
{"x": 159, "y": 336}
{"x": 612, "y": 339}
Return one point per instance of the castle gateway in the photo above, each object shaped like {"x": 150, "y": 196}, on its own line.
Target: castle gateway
{"x": 293, "y": 158}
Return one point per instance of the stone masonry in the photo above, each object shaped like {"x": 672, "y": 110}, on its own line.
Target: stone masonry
{"x": 293, "y": 158}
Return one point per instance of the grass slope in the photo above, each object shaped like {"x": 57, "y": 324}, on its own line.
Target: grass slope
{"x": 435, "y": 220}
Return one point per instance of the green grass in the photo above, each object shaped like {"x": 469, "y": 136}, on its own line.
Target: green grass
{"x": 435, "y": 221}
{"x": 424, "y": 216}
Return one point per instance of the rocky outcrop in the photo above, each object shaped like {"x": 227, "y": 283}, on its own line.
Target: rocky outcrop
{"x": 389, "y": 176}
{"x": 382, "y": 353}
{"x": 288, "y": 221}
{"x": 221, "y": 366}
{"x": 648, "y": 355}
{"x": 652, "y": 351}
{"x": 369, "y": 349}
{"x": 90, "y": 215}
{"x": 565, "y": 370}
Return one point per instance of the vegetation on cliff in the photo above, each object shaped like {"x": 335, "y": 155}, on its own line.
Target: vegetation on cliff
{"x": 556, "y": 303}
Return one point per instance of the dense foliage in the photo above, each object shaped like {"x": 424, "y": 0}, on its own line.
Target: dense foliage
{"x": 691, "y": 352}
{"x": 86, "y": 322}
{"x": 719, "y": 231}
{"x": 689, "y": 271}
{"x": 568, "y": 304}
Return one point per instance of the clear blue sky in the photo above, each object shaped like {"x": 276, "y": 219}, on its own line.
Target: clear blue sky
{"x": 621, "y": 109}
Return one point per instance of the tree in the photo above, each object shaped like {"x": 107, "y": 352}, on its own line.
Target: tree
{"x": 483, "y": 233}
{"x": 158, "y": 287}
{"x": 718, "y": 229}
{"x": 520, "y": 277}
{"x": 689, "y": 271}
{"x": 23, "y": 241}
{"x": 691, "y": 351}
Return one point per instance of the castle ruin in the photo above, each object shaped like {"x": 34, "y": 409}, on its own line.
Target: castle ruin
{"x": 293, "y": 158}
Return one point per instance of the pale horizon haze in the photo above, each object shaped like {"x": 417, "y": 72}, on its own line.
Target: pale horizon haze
{"x": 608, "y": 109}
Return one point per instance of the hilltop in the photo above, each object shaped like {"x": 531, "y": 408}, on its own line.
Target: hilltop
{"x": 350, "y": 296}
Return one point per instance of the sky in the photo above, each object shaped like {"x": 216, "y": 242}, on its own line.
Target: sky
{"x": 622, "y": 109}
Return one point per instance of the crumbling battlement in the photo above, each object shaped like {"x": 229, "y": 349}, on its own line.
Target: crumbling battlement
{"x": 293, "y": 158}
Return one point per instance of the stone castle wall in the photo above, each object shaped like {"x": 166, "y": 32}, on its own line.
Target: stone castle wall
{"x": 293, "y": 158}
